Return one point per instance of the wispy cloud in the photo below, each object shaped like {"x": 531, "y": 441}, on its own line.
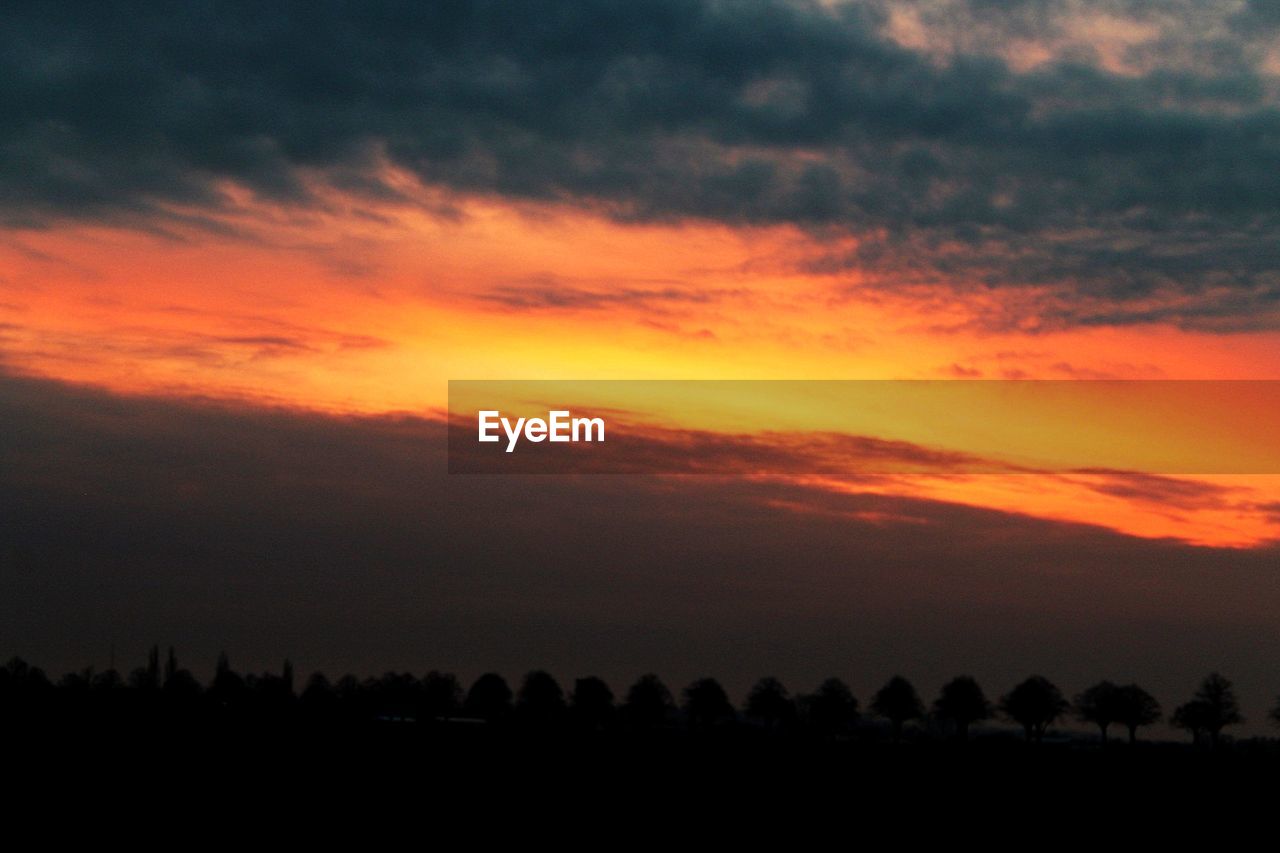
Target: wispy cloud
{"x": 549, "y": 293}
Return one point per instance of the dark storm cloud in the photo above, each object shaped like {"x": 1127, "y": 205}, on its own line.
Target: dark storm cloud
{"x": 342, "y": 543}
{"x": 947, "y": 164}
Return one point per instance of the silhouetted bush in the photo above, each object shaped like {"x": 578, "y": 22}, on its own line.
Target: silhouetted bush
{"x": 1213, "y": 708}
{"x": 706, "y": 705}
{"x": 162, "y": 693}
{"x": 897, "y": 702}
{"x": 541, "y": 701}
{"x": 962, "y": 703}
{"x": 1099, "y": 705}
{"x": 441, "y": 696}
{"x": 770, "y": 703}
{"x": 591, "y": 704}
{"x": 1034, "y": 704}
{"x": 489, "y": 698}
{"x": 649, "y": 704}
{"x": 831, "y": 710}
{"x": 1136, "y": 707}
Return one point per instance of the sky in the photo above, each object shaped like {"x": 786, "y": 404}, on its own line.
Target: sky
{"x": 243, "y": 250}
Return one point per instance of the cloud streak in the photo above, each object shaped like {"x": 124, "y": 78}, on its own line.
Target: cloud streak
{"x": 548, "y": 293}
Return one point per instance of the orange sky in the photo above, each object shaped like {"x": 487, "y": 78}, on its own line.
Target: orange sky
{"x": 357, "y": 309}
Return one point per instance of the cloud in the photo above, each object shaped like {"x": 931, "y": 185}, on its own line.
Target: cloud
{"x": 1172, "y": 492}
{"x": 553, "y": 293}
{"x": 342, "y": 543}
{"x": 1147, "y": 165}
{"x": 959, "y": 371}
{"x": 274, "y": 339}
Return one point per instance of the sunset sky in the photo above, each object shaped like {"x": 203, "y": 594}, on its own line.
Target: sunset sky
{"x": 243, "y": 250}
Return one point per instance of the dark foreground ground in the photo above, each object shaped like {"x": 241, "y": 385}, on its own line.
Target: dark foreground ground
{"x": 482, "y": 779}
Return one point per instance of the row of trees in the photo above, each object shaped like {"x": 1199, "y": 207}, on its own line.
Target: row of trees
{"x": 1035, "y": 704}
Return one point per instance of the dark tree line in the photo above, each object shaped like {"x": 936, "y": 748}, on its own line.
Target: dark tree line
{"x": 648, "y": 705}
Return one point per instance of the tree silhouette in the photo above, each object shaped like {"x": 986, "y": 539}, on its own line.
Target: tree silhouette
{"x": 163, "y": 694}
{"x": 392, "y": 696}
{"x": 1034, "y": 704}
{"x": 1100, "y": 705}
{"x": 319, "y": 697}
{"x": 348, "y": 688}
{"x": 179, "y": 684}
{"x": 147, "y": 677}
{"x": 897, "y": 702}
{"x": 541, "y": 700}
{"x": 1213, "y": 708}
{"x": 24, "y": 690}
{"x": 228, "y": 687}
{"x": 108, "y": 679}
{"x": 1135, "y": 707}
{"x": 648, "y": 704}
{"x": 1192, "y": 716}
{"x": 170, "y": 666}
{"x": 441, "y": 696}
{"x": 489, "y": 698}
{"x": 77, "y": 682}
{"x": 769, "y": 702}
{"x": 706, "y": 704}
{"x": 832, "y": 709}
{"x": 963, "y": 703}
{"x": 591, "y": 703}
